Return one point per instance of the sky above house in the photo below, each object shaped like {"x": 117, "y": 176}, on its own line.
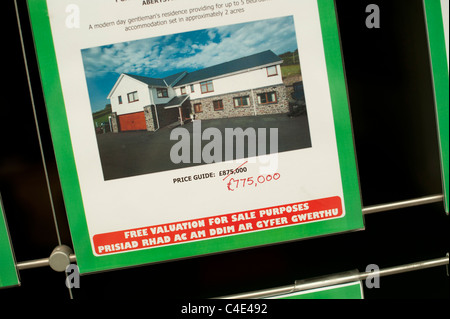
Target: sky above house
{"x": 166, "y": 55}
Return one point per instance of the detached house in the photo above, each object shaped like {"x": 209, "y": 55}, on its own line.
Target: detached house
{"x": 248, "y": 86}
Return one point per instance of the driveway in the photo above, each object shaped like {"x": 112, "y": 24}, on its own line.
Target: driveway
{"x": 135, "y": 153}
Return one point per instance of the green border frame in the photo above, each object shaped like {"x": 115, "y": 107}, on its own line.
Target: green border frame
{"x": 8, "y": 272}
{"x": 439, "y": 68}
{"x": 88, "y": 262}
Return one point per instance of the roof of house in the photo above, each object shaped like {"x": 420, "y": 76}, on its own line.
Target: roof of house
{"x": 173, "y": 79}
{"x": 248, "y": 62}
{"x": 148, "y": 81}
{"x": 183, "y": 78}
{"x": 177, "y": 101}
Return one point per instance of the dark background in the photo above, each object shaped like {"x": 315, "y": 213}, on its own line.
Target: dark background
{"x": 389, "y": 86}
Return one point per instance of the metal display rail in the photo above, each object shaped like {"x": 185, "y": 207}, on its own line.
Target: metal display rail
{"x": 62, "y": 256}
{"x": 340, "y": 278}
{"x": 44, "y": 262}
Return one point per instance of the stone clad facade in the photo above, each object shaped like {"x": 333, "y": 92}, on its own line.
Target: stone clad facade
{"x": 115, "y": 123}
{"x": 254, "y": 107}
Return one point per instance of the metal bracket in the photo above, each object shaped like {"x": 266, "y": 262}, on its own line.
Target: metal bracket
{"x": 446, "y": 266}
{"x": 60, "y": 258}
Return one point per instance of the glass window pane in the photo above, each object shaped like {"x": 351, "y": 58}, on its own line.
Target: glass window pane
{"x": 271, "y": 71}
{"x": 263, "y": 98}
{"x": 273, "y": 97}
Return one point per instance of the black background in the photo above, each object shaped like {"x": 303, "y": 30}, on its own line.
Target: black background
{"x": 390, "y": 92}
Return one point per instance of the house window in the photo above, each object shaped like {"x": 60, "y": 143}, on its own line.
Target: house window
{"x": 133, "y": 97}
{"x": 241, "y": 101}
{"x": 272, "y": 70}
{"x": 198, "y": 108}
{"x": 192, "y": 88}
{"x": 120, "y": 99}
{"x": 207, "y": 87}
{"x": 267, "y": 98}
{"x": 218, "y": 105}
{"x": 162, "y": 93}
{"x": 183, "y": 90}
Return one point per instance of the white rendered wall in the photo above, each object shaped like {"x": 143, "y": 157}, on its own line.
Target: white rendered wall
{"x": 157, "y": 100}
{"x": 128, "y": 85}
{"x": 234, "y": 83}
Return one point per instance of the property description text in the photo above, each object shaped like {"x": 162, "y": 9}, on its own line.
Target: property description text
{"x": 179, "y": 16}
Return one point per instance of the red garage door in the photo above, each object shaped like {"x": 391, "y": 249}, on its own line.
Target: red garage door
{"x": 132, "y": 122}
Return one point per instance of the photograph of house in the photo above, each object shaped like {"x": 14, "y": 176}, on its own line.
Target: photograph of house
{"x": 245, "y": 76}
{"x": 248, "y": 86}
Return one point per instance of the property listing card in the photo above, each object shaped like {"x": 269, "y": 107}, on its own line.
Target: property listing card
{"x": 184, "y": 128}
{"x": 436, "y": 13}
{"x": 8, "y": 272}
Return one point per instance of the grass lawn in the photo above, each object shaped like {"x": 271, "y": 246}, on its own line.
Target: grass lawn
{"x": 101, "y": 119}
{"x": 290, "y": 70}
{"x": 101, "y": 116}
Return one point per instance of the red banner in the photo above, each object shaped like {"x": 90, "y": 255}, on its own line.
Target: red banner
{"x": 218, "y": 226}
